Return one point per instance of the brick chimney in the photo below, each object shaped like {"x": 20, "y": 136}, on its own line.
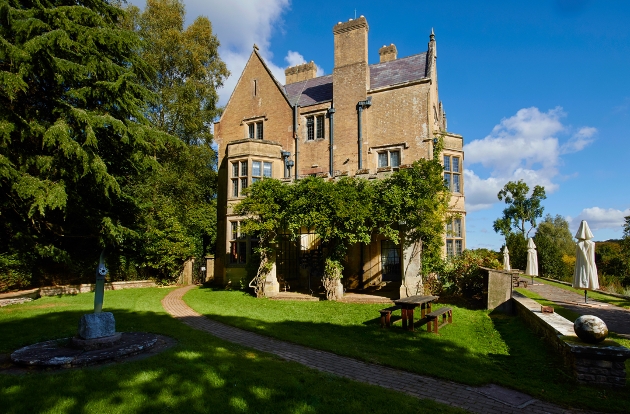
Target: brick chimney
{"x": 351, "y": 81}
{"x": 388, "y": 53}
{"x": 301, "y": 72}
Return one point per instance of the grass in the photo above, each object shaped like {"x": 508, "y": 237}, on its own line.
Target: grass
{"x": 200, "y": 374}
{"x": 599, "y": 296}
{"x": 478, "y": 348}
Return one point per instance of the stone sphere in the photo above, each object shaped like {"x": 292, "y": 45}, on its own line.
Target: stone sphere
{"x": 590, "y": 329}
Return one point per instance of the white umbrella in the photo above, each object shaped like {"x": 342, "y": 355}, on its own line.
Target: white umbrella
{"x": 532, "y": 259}
{"x": 506, "y": 259}
{"x": 585, "y": 273}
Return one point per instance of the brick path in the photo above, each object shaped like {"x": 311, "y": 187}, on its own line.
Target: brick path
{"x": 420, "y": 386}
{"x": 617, "y": 319}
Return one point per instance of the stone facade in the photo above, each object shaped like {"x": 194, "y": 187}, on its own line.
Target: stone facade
{"x": 363, "y": 119}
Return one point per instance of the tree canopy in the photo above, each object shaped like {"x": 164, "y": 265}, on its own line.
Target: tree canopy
{"x": 105, "y": 137}
{"x": 556, "y": 248}
{"x": 522, "y": 211}
{"x": 73, "y": 128}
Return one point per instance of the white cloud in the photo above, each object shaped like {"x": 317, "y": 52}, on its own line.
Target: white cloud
{"x": 600, "y": 218}
{"x": 579, "y": 140}
{"x": 524, "y": 146}
{"x": 295, "y": 58}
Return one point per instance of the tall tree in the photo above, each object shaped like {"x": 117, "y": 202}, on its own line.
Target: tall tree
{"x": 188, "y": 69}
{"x": 556, "y": 247}
{"x": 73, "y": 130}
{"x": 522, "y": 211}
{"x": 179, "y": 216}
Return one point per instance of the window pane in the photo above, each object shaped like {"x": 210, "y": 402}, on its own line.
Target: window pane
{"x": 455, "y": 164}
{"x": 235, "y": 169}
{"x": 259, "y": 130}
{"x": 447, "y": 163}
{"x": 310, "y": 133}
{"x": 255, "y": 180}
{"x": 382, "y": 159}
{"x": 458, "y": 247}
{"x": 242, "y": 252}
{"x": 456, "y": 183}
{"x": 251, "y": 131}
{"x": 255, "y": 168}
{"x": 458, "y": 228}
{"x": 395, "y": 157}
{"x": 234, "y": 226}
{"x": 449, "y": 229}
{"x": 243, "y": 185}
{"x": 235, "y": 187}
{"x": 233, "y": 252}
{"x": 267, "y": 169}
{"x": 447, "y": 178}
{"x": 449, "y": 248}
{"x": 320, "y": 126}
{"x": 243, "y": 168}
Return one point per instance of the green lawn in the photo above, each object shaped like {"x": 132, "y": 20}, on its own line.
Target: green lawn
{"x": 601, "y": 297}
{"x": 478, "y": 348}
{"x": 200, "y": 374}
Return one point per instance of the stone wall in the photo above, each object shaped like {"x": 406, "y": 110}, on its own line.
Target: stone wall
{"x": 89, "y": 287}
{"x": 601, "y": 364}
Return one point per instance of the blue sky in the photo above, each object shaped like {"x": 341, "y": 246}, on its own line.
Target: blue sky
{"x": 538, "y": 89}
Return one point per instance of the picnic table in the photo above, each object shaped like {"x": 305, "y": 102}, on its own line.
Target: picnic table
{"x": 408, "y": 305}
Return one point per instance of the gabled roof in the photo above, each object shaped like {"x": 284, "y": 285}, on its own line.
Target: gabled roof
{"x": 397, "y": 71}
{"x": 316, "y": 90}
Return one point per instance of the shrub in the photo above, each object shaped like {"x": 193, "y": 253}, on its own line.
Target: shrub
{"x": 462, "y": 275}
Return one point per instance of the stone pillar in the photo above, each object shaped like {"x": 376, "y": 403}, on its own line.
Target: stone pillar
{"x": 272, "y": 286}
{"x": 186, "y": 277}
{"x": 209, "y": 269}
{"x": 411, "y": 268}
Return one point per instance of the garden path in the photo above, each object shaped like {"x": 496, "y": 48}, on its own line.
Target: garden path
{"x": 616, "y": 318}
{"x": 487, "y": 399}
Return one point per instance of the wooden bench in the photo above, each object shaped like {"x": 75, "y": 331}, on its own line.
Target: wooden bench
{"x": 516, "y": 281}
{"x": 432, "y": 319}
{"x": 386, "y": 315}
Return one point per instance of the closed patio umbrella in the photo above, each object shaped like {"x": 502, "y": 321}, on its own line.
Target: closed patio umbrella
{"x": 585, "y": 273}
{"x": 532, "y": 259}
{"x": 506, "y": 259}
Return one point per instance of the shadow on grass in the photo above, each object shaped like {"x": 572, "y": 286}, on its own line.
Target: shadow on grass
{"x": 478, "y": 348}
{"x": 200, "y": 374}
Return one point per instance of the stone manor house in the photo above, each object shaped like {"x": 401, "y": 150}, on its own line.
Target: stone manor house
{"x": 363, "y": 119}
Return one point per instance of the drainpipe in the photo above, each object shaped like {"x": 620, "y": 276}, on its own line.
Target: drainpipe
{"x": 331, "y": 113}
{"x": 360, "y": 106}
{"x": 295, "y": 136}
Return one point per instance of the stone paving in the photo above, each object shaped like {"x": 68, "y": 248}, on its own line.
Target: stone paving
{"x": 487, "y": 399}
{"x": 617, "y": 319}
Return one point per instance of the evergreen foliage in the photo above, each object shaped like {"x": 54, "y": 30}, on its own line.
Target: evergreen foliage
{"x": 73, "y": 131}
{"x": 179, "y": 197}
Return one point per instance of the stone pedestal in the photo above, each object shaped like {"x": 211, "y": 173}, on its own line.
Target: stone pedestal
{"x": 411, "y": 268}
{"x": 272, "y": 286}
{"x": 97, "y": 325}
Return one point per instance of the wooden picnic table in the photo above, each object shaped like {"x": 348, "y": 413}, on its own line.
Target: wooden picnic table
{"x": 408, "y": 305}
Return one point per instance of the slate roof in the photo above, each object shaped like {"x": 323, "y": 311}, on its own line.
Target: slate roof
{"x": 316, "y": 90}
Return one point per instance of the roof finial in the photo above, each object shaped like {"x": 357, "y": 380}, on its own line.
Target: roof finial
{"x": 255, "y": 46}
{"x": 432, "y": 36}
